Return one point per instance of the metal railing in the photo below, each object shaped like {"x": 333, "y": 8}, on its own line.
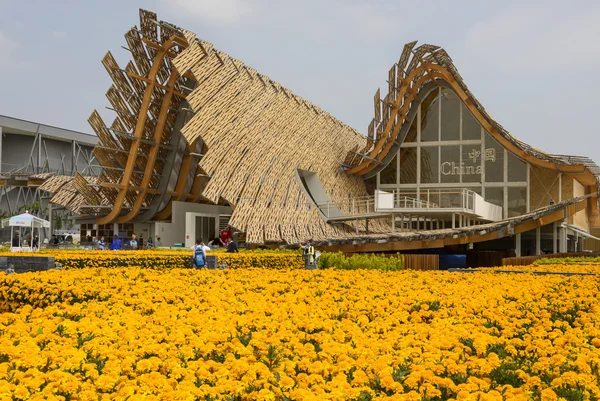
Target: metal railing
{"x": 359, "y": 206}
{"x": 462, "y": 200}
{"x": 435, "y": 199}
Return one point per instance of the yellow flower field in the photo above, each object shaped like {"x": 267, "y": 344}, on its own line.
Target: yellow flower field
{"x": 164, "y": 259}
{"x": 133, "y": 334}
{"x": 557, "y": 267}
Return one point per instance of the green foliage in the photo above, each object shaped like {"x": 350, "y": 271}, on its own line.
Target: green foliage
{"x": 338, "y": 260}
{"x": 568, "y": 260}
{"x": 570, "y": 393}
{"x": 58, "y": 222}
{"x": 506, "y": 373}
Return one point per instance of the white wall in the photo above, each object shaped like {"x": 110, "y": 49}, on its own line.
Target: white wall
{"x": 165, "y": 231}
{"x": 143, "y": 230}
{"x": 178, "y": 230}
{"x": 487, "y": 210}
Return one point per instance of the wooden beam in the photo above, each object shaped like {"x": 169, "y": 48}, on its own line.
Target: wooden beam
{"x": 152, "y": 191}
{"x": 158, "y": 85}
{"x": 138, "y": 133}
{"x": 151, "y": 158}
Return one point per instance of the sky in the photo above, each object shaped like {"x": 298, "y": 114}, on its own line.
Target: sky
{"x": 532, "y": 64}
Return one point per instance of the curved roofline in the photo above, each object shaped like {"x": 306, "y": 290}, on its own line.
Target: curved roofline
{"x": 431, "y": 64}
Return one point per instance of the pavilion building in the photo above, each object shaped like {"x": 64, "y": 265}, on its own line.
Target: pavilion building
{"x": 201, "y": 141}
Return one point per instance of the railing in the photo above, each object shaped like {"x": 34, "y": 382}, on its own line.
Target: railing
{"x": 411, "y": 201}
{"x": 355, "y": 206}
{"x": 427, "y": 199}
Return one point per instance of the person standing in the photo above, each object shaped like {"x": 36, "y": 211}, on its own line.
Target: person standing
{"x": 16, "y": 241}
{"x": 225, "y": 235}
{"x": 116, "y": 244}
{"x": 101, "y": 244}
{"x": 133, "y": 243}
{"x": 36, "y": 243}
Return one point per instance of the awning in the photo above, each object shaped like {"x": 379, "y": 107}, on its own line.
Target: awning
{"x": 581, "y": 232}
{"x": 28, "y": 220}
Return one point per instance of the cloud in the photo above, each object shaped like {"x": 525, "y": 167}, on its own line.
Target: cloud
{"x": 59, "y": 35}
{"x": 537, "y": 39}
{"x": 211, "y": 11}
{"x": 7, "y": 50}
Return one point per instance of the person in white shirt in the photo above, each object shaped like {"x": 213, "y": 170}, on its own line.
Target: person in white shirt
{"x": 203, "y": 245}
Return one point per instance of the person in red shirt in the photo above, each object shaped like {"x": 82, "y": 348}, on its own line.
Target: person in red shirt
{"x": 225, "y": 235}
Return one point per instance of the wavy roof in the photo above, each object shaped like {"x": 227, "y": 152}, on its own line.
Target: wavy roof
{"x": 416, "y": 68}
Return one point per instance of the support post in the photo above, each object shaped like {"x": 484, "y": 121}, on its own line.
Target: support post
{"x": 50, "y": 219}
{"x": 39, "y": 158}
{"x": 73, "y": 159}
{"x": 393, "y": 223}
{"x": 538, "y": 241}
{"x": 518, "y": 245}
{"x": 563, "y": 238}
{"x": 1, "y": 154}
{"x": 554, "y": 238}
{"x": 453, "y": 220}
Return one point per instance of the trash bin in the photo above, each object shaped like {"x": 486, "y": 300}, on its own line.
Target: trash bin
{"x": 308, "y": 265}
{"x": 212, "y": 262}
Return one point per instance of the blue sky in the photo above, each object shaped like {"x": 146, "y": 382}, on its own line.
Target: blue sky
{"x": 532, "y": 64}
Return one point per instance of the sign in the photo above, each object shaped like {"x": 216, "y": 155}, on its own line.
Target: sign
{"x": 453, "y": 168}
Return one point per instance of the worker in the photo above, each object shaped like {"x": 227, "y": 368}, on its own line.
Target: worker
{"x": 308, "y": 251}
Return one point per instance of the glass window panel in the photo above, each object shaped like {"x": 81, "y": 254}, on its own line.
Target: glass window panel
{"x": 471, "y": 158}
{"x": 408, "y": 166}
{"x": 411, "y": 136}
{"x": 371, "y": 184}
{"x": 429, "y": 164}
{"x": 450, "y": 104}
{"x": 517, "y": 169}
{"x": 494, "y": 195}
{"x": 471, "y": 129}
{"x": 429, "y": 118}
{"x": 388, "y": 174}
{"x": 450, "y": 164}
{"x": 494, "y": 160}
{"x": 517, "y": 201}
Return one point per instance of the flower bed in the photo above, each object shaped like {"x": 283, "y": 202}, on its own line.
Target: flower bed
{"x": 90, "y": 334}
{"x": 557, "y": 267}
{"x": 78, "y": 259}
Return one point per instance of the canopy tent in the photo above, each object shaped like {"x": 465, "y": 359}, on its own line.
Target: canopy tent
{"x": 26, "y": 220}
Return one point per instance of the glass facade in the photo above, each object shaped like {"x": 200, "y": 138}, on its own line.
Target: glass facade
{"x": 447, "y": 148}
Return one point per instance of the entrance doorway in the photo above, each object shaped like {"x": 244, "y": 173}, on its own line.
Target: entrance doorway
{"x": 205, "y": 228}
